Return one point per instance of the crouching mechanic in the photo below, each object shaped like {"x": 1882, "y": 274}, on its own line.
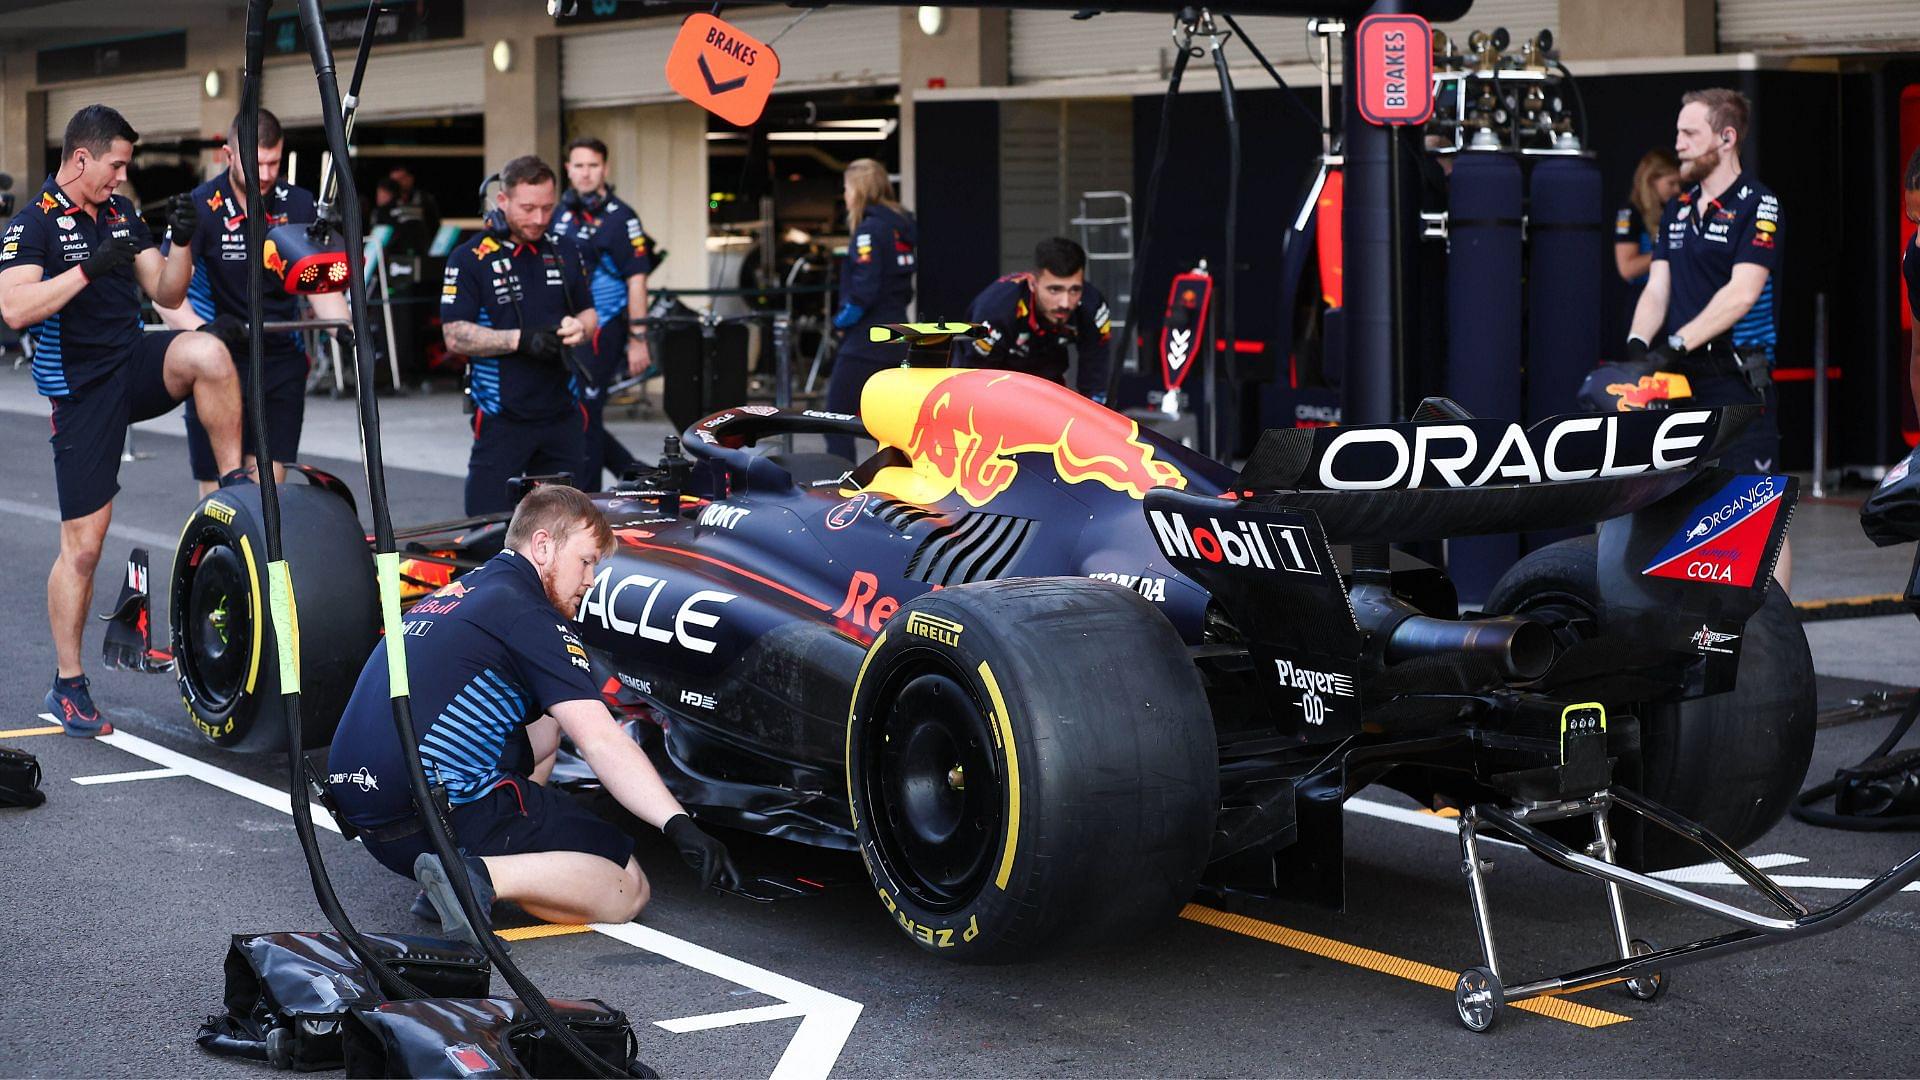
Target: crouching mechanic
{"x": 515, "y": 302}
{"x": 1033, "y": 316}
{"x": 496, "y": 676}
{"x": 72, "y": 267}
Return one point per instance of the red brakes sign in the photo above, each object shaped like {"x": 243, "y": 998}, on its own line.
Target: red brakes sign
{"x": 1393, "y": 61}
{"x": 722, "y": 69}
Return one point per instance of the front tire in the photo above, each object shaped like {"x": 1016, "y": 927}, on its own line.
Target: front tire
{"x": 224, "y": 651}
{"x": 1731, "y": 761}
{"x": 1031, "y": 765}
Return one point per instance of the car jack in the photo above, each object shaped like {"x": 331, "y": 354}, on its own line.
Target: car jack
{"x": 1479, "y": 993}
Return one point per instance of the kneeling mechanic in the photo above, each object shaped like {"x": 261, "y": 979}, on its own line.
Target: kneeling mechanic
{"x": 497, "y": 674}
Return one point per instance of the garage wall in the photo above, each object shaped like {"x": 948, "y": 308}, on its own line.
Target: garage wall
{"x": 1051, "y": 152}
{"x": 830, "y": 47}
{"x": 398, "y": 86}
{"x": 658, "y": 163}
{"x": 163, "y": 106}
{"x": 1761, "y": 25}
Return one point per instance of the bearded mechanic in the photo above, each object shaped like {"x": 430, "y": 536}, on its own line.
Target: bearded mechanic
{"x": 1034, "y": 316}
{"x": 72, "y": 267}
{"x": 1710, "y": 287}
{"x": 515, "y": 302}
{"x": 497, "y": 674}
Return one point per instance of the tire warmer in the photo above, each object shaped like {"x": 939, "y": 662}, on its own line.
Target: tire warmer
{"x": 289, "y": 996}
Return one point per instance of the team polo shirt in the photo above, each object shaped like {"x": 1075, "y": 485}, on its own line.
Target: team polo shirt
{"x": 219, "y": 285}
{"x": 486, "y": 656}
{"x": 504, "y": 285}
{"x": 613, "y": 243}
{"x": 1018, "y": 339}
{"x": 1701, "y": 250}
{"x": 89, "y": 337}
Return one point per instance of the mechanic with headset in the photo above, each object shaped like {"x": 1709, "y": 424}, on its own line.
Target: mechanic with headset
{"x": 496, "y": 675}
{"x": 876, "y": 286}
{"x": 621, "y": 255}
{"x": 72, "y": 267}
{"x": 515, "y": 303}
{"x": 1710, "y": 288}
{"x": 217, "y": 296}
{"x": 1033, "y": 316}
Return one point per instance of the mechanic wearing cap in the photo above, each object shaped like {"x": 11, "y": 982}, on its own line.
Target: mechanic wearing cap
{"x": 1033, "y": 316}
{"x": 72, "y": 267}
{"x": 1709, "y": 292}
{"x": 496, "y": 675}
{"x": 621, "y": 255}
{"x": 876, "y": 285}
{"x": 515, "y": 302}
{"x": 217, "y": 298}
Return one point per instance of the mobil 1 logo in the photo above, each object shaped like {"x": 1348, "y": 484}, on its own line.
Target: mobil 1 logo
{"x": 1237, "y": 541}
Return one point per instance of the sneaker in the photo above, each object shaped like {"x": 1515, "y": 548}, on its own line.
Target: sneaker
{"x": 433, "y": 879}
{"x": 70, "y": 703}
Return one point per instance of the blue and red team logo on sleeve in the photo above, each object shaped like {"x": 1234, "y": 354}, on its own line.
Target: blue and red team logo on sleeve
{"x": 1724, "y": 540}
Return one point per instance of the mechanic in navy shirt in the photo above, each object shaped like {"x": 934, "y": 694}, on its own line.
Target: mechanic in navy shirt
{"x": 1709, "y": 293}
{"x": 1910, "y": 269}
{"x": 496, "y": 674}
{"x": 72, "y": 267}
{"x": 515, "y": 302}
{"x": 1033, "y": 316}
{"x": 217, "y": 298}
{"x": 876, "y": 286}
{"x": 620, "y": 255}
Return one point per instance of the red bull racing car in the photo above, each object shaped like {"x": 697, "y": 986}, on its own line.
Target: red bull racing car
{"x": 1049, "y": 672}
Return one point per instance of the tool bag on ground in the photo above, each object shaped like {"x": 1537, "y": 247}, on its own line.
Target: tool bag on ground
{"x": 483, "y": 1037}
{"x": 288, "y": 993}
{"x": 19, "y": 778}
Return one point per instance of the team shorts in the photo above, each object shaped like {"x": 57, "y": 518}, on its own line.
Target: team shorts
{"x": 504, "y": 449}
{"x": 518, "y": 817}
{"x": 1757, "y": 448}
{"x": 90, "y": 424}
{"x": 286, "y": 413}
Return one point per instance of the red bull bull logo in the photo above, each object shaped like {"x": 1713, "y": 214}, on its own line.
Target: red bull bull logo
{"x": 964, "y": 431}
{"x": 271, "y": 258}
{"x": 1659, "y": 386}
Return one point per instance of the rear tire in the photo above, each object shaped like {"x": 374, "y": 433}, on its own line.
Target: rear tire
{"x": 1731, "y": 762}
{"x": 1031, "y": 764}
{"x": 225, "y": 654}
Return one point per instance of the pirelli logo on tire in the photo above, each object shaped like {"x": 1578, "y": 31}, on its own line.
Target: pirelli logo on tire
{"x": 945, "y": 631}
{"x": 220, "y": 511}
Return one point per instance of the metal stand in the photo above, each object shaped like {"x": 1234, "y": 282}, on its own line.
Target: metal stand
{"x": 1479, "y": 992}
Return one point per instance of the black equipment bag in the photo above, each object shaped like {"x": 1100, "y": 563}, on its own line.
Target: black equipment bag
{"x": 1891, "y": 515}
{"x": 288, "y": 993}
{"x": 19, "y": 778}
{"x": 482, "y": 1037}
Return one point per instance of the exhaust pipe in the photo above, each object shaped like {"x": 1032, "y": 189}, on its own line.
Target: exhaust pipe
{"x": 1523, "y": 648}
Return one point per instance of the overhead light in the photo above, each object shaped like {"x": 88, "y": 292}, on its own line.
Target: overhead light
{"x": 932, "y": 19}
{"x": 211, "y": 84}
{"x": 502, "y": 56}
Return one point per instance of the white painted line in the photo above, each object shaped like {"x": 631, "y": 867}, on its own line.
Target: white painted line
{"x": 728, "y": 1019}
{"x": 1420, "y": 819}
{"x": 252, "y": 790}
{"x": 828, "y": 1018}
{"x": 146, "y": 537}
{"x": 1713, "y": 873}
{"x": 124, "y": 777}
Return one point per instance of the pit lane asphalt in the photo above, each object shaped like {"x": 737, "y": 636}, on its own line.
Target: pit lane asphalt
{"x": 119, "y": 899}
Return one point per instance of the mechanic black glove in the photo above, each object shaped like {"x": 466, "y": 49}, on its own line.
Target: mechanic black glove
{"x": 183, "y": 215}
{"x": 1664, "y": 355}
{"x": 1636, "y": 350}
{"x": 230, "y": 329}
{"x": 108, "y": 257}
{"x": 707, "y": 856}
{"x": 541, "y": 345}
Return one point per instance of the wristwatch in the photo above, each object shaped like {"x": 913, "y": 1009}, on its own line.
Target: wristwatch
{"x": 1677, "y": 343}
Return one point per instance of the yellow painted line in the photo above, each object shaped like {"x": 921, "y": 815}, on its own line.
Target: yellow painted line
{"x": 17, "y": 733}
{"x": 1850, "y": 601}
{"x": 1387, "y": 964}
{"x": 528, "y": 933}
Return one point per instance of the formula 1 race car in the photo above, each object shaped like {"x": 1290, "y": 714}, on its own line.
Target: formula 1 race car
{"x": 1049, "y": 672}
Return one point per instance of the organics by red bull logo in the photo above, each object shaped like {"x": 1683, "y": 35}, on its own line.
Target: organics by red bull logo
{"x": 1659, "y": 386}
{"x": 965, "y": 429}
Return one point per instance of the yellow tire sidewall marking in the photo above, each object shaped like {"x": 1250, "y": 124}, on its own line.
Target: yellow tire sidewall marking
{"x": 1004, "y": 726}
